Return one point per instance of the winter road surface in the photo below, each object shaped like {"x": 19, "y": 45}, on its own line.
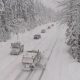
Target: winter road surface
{"x": 58, "y": 65}
{"x": 10, "y": 65}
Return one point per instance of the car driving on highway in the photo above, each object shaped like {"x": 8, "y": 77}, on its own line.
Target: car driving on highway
{"x": 43, "y": 31}
{"x": 37, "y": 36}
{"x": 17, "y": 48}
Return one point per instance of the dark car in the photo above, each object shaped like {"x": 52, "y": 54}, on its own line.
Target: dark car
{"x": 28, "y": 29}
{"x": 17, "y": 48}
{"x": 52, "y": 25}
{"x": 37, "y": 36}
{"x": 43, "y": 31}
{"x": 49, "y": 27}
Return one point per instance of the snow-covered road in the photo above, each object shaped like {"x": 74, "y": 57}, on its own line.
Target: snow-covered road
{"x": 10, "y": 66}
{"x": 45, "y": 47}
{"x": 60, "y": 65}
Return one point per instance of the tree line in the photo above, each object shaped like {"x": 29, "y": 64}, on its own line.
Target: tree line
{"x": 71, "y": 16}
{"x": 15, "y": 12}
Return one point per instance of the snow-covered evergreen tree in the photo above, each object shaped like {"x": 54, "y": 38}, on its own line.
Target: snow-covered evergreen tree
{"x": 71, "y": 14}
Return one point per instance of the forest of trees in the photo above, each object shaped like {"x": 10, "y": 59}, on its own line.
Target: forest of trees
{"x": 18, "y": 15}
{"x": 71, "y": 16}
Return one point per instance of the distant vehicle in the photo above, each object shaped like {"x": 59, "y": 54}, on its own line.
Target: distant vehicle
{"x": 37, "y": 36}
{"x": 28, "y": 29}
{"x": 17, "y": 48}
{"x": 52, "y": 25}
{"x": 49, "y": 27}
{"x": 30, "y": 60}
{"x": 43, "y": 31}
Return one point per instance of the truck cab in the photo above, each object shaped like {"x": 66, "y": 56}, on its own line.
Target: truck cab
{"x": 30, "y": 60}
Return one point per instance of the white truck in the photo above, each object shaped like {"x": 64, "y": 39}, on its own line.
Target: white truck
{"x": 30, "y": 60}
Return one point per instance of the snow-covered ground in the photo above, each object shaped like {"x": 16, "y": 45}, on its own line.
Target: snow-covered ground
{"x": 60, "y": 65}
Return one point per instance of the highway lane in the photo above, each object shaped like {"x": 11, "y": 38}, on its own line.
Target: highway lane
{"x": 47, "y": 53}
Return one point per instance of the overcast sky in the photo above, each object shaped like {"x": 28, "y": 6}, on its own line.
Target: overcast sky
{"x": 52, "y": 4}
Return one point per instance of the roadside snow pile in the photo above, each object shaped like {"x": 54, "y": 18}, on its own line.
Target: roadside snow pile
{"x": 10, "y": 65}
